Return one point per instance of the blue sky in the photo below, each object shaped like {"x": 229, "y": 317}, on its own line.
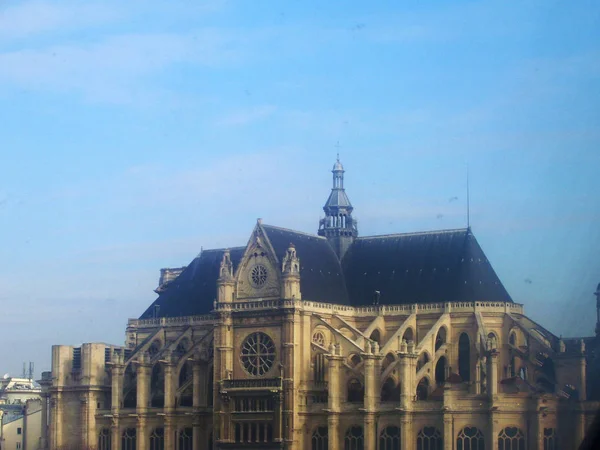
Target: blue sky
{"x": 134, "y": 133}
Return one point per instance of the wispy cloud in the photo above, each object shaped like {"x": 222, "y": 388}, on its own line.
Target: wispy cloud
{"x": 246, "y": 116}
{"x": 116, "y": 69}
{"x": 31, "y": 18}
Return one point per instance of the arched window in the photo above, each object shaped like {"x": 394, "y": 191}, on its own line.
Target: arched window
{"x": 440, "y": 370}
{"x": 422, "y": 361}
{"x": 128, "y": 441}
{"x": 470, "y": 438}
{"x": 512, "y": 338}
{"x": 186, "y": 388}
{"x": 376, "y": 336}
{"x": 355, "y": 360}
{"x": 157, "y": 387}
{"x": 104, "y": 439}
{"x": 389, "y": 438}
{"x": 464, "y": 357}
{"x": 157, "y": 439}
{"x": 185, "y": 439}
{"x": 408, "y": 335}
{"x": 129, "y": 387}
{"x": 429, "y": 438}
{"x": 387, "y": 361}
{"x": 356, "y": 392}
{"x": 511, "y": 438}
{"x": 154, "y": 348}
{"x": 319, "y": 367}
{"x": 320, "y": 439}
{"x": 354, "y": 439}
{"x": 390, "y": 391}
{"x": 185, "y": 374}
{"x": 423, "y": 389}
{"x": 440, "y": 339}
{"x": 493, "y": 340}
{"x": 182, "y": 347}
{"x": 550, "y": 442}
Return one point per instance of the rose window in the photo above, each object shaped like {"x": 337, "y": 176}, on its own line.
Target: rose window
{"x": 258, "y": 354}
{"x": 258, "y": 276}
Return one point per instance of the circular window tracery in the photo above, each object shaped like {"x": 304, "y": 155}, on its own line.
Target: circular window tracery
{"x": 258, "y": 276}
{"x": 258, "y": 354}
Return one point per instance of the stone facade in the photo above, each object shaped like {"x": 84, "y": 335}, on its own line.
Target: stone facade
{"x": 267, "y": 367}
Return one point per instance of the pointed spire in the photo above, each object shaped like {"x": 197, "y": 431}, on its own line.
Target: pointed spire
{"x": 226, "y": 269}
{"x": 338, "y": 225}
{"x": 291, "y": 263}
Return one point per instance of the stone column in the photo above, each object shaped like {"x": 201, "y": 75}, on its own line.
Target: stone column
{"x": 372, "y": 395}
{"x": 116, "y": 371}
{"x": 169, "y": 407}
{"x": 115, "y": 433}
{"x": 334, "y": 396}
{"x": 56, "y": 438}
{"x": 407, "y": 435}
{"x": 536, "y": 428}
{"x": 492, "y": 392}
{"x": 44, "y": 435}
{"x": 143, "y": 391}
{"x": 477, "y": 386}
{"x": 494, "y": 429}
{"x": 492, "y": 374}
{"x": 223, "y": 361}
{"x": 278, "y": 417}
{"x": 84, "y": 422}
{"x": 448, "y": 432}
{"x": 198, "y": 400}
{"x": 288, "y": 400}
{"x": 407, "y": 368}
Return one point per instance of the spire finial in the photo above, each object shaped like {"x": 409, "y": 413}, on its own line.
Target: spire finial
{"x": 468, "y": 201}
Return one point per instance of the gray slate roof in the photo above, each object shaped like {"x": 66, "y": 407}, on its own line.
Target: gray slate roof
{"x": 441, "y": 266}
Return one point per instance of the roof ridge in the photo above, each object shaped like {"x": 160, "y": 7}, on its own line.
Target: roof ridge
{"x": 222, "y": 249}
{"x": 414, "y": 233}
{"x": 293, "y": 231}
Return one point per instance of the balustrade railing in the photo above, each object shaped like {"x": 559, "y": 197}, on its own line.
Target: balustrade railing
{"x": 271, "y": 383}
{"x": 329, "y": 308}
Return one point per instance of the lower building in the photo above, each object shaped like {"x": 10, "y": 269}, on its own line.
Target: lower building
{"x": 328, "y": 341}
{"x": 21, "y": 426}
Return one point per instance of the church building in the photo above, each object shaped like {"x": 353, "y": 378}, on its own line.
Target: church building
{"x": 327, "y": 341}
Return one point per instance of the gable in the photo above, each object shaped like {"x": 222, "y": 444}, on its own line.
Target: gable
{"x": 258, "y": 274}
